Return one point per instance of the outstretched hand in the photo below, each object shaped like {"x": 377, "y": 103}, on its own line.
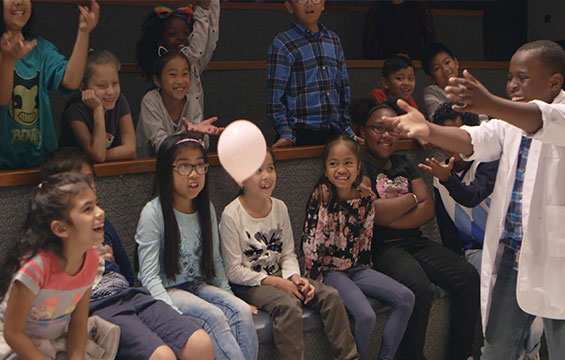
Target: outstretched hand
{"x": 437, "y": 169}
{"x": 469, "y": 91}
{"x": 412, "y": 124}
{"x": 88, "y": 17}
{"x": 14, "y": 46}
{"x": 205, "y": 127}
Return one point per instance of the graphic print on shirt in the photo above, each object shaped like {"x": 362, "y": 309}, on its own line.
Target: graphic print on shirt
{"x": 264, "y": 250}
{"x": 391, "y": 188}
{"x": 189, "y": 264}
{"x": 24, "y": 110}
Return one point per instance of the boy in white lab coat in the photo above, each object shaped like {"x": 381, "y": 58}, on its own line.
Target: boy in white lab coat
{"x": 524, "y": 250}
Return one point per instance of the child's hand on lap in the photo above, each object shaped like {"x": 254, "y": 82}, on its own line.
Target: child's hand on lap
{"x": 434, "y": 167}
{"x": 14, "y": 46}
{"x": 88, "y": 17}
{"x": 307, "y": 289}
{"x": 254, "y": 309}
{"x": 412, "y": 124}
{"x": 90, "y": 99}
{"x": 468, "y": 90}
{"x": 285, "y": 285}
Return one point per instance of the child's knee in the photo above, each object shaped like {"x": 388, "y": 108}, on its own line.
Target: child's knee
{"x": 163, "y": 352}
{"x": 199, "y": 345}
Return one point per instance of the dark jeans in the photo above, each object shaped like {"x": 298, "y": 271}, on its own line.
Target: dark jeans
{"x": 418, "y": 263}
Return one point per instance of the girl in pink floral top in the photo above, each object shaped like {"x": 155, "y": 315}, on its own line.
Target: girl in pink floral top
{"x": 337, "y": 242}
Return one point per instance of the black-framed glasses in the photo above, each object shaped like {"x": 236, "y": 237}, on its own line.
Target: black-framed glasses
{"x": 186, "y": 169}
{"x": 304, "y": 2}
{"x": 381, "y": 129}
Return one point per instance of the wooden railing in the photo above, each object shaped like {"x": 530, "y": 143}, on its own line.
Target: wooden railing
{"x": 351, "y": 64}
{"x": 254, "y": 6}
{"x": 110, "y": 168}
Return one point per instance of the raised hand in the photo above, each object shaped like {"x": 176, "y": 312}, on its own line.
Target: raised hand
{"x": 469, "y": 91}
{"x": 412, "y": 124}
{"x": 90, "y": 99}
{"x": 437, "y": 169}
{"x": 14, "y": 46}
{"x": 205, "y": 127}
{"x": 88, "y": 17}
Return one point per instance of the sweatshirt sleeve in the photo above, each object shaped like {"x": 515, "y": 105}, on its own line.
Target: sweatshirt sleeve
{"x": 148, "y": 238}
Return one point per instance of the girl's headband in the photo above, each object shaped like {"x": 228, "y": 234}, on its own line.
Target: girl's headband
{"x": 164, "y": 12}
{"x": 162, "y": 51}
{"x": 197, "y": 141}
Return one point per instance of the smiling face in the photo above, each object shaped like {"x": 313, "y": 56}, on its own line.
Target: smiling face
{"x": 175, "y": 34}
{"x": 442, "y": 67}
{"x": 528, "y": 79}
{"x": 16, "y": 14}
{"x": 401, "y": 83}
{"x": 85, "y": 224}
{"x": 306, "y": 14}
{"x": 187, "y": 187}
{"x": 342, "y": 166}
{"x": 105, "y": 82}
{"x": 263, "y": 182}
{"x": 378, "y": 145}
{"x": 174, "y": 79}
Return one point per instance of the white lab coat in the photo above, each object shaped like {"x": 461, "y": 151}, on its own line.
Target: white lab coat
{"x": 541, "y": 271}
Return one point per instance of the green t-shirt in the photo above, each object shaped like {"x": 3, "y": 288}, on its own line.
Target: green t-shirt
{"x": 27, "y": 132}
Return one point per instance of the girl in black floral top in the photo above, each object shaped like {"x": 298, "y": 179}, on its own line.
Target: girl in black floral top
{"x": 337, "y": 244}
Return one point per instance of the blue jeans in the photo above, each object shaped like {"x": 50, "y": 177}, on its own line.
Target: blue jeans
{"x": 226, "y": 318}
{"x": 508, "y": 325}
{"x": 353, "y": 284}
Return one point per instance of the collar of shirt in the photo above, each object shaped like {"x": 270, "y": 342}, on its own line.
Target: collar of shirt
{"x": 304, "y": 31}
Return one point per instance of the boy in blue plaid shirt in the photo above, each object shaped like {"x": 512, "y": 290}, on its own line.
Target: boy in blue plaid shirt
{"x": 308, "y": 91}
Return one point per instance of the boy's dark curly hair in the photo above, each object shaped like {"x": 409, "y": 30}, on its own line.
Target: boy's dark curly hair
{"x": 445, "y": 112}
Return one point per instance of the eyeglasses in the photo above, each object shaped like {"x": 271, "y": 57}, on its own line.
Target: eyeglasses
{"x": 304, "y": 2}
{"x": 378, "y": 129}
{"x": 186, "y": 169}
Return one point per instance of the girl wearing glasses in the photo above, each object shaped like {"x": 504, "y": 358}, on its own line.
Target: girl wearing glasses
{"x": 178, "y": 250}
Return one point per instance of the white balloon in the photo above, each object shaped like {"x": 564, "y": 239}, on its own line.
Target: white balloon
{"x": 241, "y": 149}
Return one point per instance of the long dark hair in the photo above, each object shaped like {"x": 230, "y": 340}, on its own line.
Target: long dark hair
{"x": 333, "y": 200}
{"x": 25, "y": 30}
{"x": 50, "y": 201}
{"x": 163, "y": 187}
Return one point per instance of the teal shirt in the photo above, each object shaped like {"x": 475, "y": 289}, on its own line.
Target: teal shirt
{"x": 27, "y": 132}
{"x": 150, "y": 238}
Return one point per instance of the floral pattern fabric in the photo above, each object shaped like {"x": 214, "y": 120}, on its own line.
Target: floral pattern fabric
{"x": 337, "y": 238}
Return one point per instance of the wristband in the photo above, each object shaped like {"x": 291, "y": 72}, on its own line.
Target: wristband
{"x": 415, "y": 199}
